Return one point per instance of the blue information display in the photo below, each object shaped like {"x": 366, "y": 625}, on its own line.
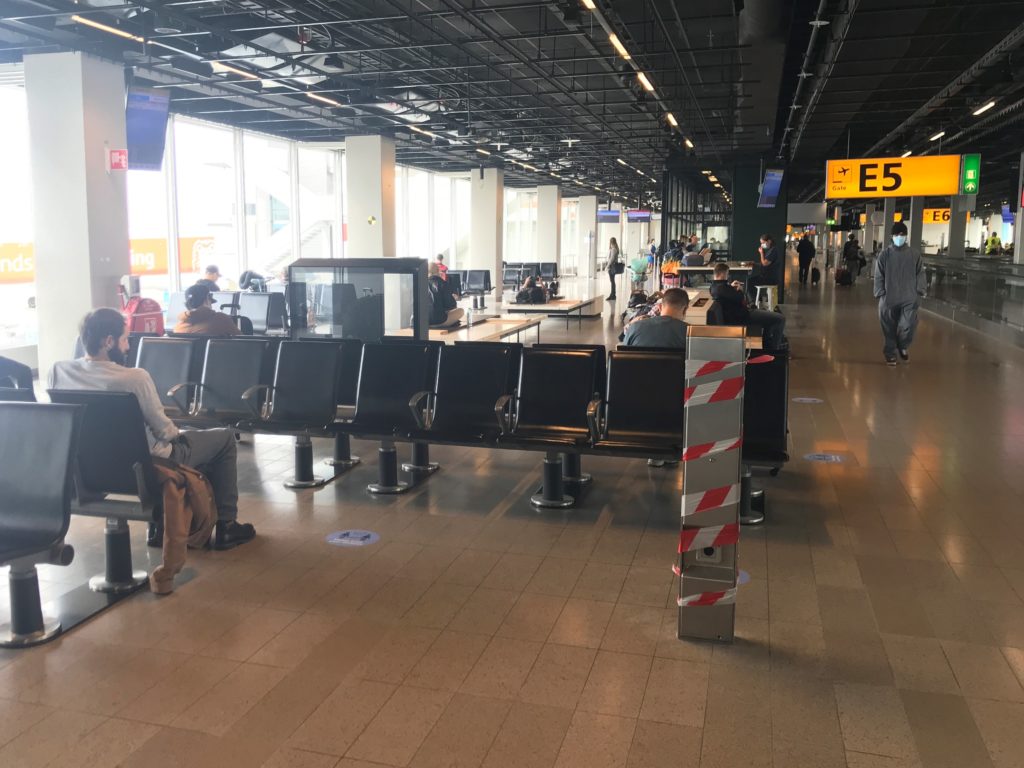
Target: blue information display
{"x": 353, "y": 538}
{"x": 146, "y": 128}
{"x": 771, "y": 188}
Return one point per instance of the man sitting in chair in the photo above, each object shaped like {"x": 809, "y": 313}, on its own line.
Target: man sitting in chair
{"x": 212, "y": 451}
{"x": 736, "y": 312}
{"x": 444, "y": 311}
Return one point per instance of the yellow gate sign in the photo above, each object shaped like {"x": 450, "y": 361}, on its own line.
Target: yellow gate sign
{"x": 939, "y": 215}
{"x": 893, "y": 176}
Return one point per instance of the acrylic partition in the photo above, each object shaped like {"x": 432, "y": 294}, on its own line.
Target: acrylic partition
{"x": 363, "y": 299}
{"x": 984, "y": 294}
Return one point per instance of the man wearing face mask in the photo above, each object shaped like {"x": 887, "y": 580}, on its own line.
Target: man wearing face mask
{"x": 899, "y": 286}
{"x": 104, "y": 335}
{"x": 770, "y": 268}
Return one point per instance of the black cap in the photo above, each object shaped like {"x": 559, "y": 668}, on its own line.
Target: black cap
{"x": 899, "y": 228}
{"x": 196, "y": 295}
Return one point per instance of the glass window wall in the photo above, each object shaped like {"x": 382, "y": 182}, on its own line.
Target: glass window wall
{"x": 269, "y": 222}
{"x": 18, "y": 323}
{"x": 320, "y": 233}
{"x": 520, "y": 225}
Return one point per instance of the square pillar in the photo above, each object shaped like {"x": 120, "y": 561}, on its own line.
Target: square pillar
{"x": 487, "y": 223}
{"x": 588, "y": 236}
{"x": 370, "y": 195}
{"x": 1018, "y": 224}
{"x": 959, "y": 207}
{"x": 889, "y": 213}
{"x": 549, "y": 223}
{"x": 916, "y": 225}
{"x": 868, "y": 235}
{"x": 75, "y": 114}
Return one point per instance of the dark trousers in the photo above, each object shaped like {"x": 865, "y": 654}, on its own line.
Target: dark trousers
{"x": 805, "y": 270}
{"x": 611, "y": 279}
{"x": 773, "y": 326}
{"x": 898, "y": 326}
{"x": 13, "y": 373}
{"x": 212, "y": 452}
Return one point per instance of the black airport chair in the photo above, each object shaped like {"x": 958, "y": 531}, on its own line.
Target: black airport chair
{"x": 37, "y": 451}
{"x": 643, "y": 414}
{"x": 549, "y": 270}
{"x": 134, "y": 341}
{"x": 17, "y": 395}
{"x": 455, "y": 282}
{"x": 554, "y": 395}
{"x": 226, "y": 302}
{"x": 478, "y": 281}
{"x": 114, "y": 478}
{"x": 395, "y": 381}
{"x": 472, "y": 394}
{"x": 175, "y": 365}
{"x": 175, "y": 307}
{"x": 350, "y": 355}
{"x": 255, "y": 307}
{"x": 511, "y": 278}
{"x": 301, "y": 401}
{"x": 230, "y": 367}
{"x": 420, "y": 463}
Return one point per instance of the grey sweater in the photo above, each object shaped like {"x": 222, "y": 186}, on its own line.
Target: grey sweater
{"x": 899, "y": 276}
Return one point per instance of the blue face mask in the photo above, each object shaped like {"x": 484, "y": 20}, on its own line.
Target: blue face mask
{"x": 899, "y": 240}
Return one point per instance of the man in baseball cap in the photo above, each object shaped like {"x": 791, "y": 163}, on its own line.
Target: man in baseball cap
{"x": 200, "y": 318}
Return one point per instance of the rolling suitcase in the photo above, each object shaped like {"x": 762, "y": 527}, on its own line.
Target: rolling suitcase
{"x": 843, "y": 277}
{"x": 815, "y": 276}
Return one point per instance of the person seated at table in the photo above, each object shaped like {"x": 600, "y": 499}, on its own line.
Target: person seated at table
{"x": 532, "y": 292}
{"x": 212, "y": 451}
{"x": 735, "y": 311}
{"x": 444, "y": 312}
{"x": 770, "y": 263}
{"x": 200, "y": 318}
{"x": 666, "y": 329}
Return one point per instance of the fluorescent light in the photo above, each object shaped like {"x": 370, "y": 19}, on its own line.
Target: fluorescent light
{"x": 640, "y": 172}
{"x": 324, "y": 99}
{"x": 431, "y": 134}
{"x": 712, "y": 178}
{"x": 982, "y": 110}
{"x": 219, "y": 67}
{"x": 589, "y": 5}
{"x": 648, "y": 86}
{"x": 106, "y": 28}
{"x": 672, "y": 120}
{"x": 618, "y": 46}
{"x": 688, "y": 143}
{"x": 482, "y": 151}
{"x": 706, "y": 173}
{"x": 620, "y": 161}
{"x": 908, "y": 153}
{"x": 937, "y": 136}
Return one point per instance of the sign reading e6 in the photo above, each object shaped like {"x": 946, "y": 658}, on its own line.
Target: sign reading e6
{"x": 893, "y": 176}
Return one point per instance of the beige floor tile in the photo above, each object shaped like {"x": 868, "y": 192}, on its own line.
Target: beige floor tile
{"x": 582, "y": 622}
{"x": 1001, "y": 724}
{"x": 986, "y": 583}
{"x": 804, "y": 709}
{"x": 163, "y": 703}
{"x": 919, "y": 664}
{"x": 873, "y": 721}
{"x": 337, "y": 722}
{"x": 600, "y": 581}
{"x": 739, "y": 744}
{"x": 846, "y": 611}
{"x": 438, "y": 605}
{"x": 16, "y": 717}
{"x": 1015, "y": 658}
{"x": 633, "y": 629}
{"x": 471, "y": 567}
{"x": 107, "y": 745}
{"x": 393, "y": 600}
{"x": 512, "y": 572}
{"x": 671, "y": 647}
{"x": 857, "y": 658}
{"x": 618, "y": 545}
{"x": 806, "y": 754}
{"x": 400, "y": 727}
{"x": 448, "y": 661}
{"x": 253, "y": 632}
{"x": 646, "y": 586}
{"x": 596, "y": 741}
{"x": 616, "y": 684}
{"x": 532, "y": 617}
{"x": 676, "y": 693}
{"x": 484, "y": 611}
{"x": 42, "y": 743}
{"x": 293, "y": 643}
{"x": 298, "y": 758}
{"x": 661, "y": 745}
{"x": 391, "y": 660}
{"x": 464, "y": 734}
{"x": 229, "y": 699}
{"x": 944, "y": 731}
{"x": 982, "y": 672}
{"x": 899, "y": 611}
{"x": 502, "y": 668}
{"x": 558, "y": 676}
{"x": 866, "y": 760}
{"x": 556, "y": 576}
{"x": 530, "y": 737}
{"x": 798, "y": 648}
{"x": 794, "y": 601}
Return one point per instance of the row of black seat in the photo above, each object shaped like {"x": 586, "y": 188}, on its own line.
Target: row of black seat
{"x": 470, "y": 282}
{"x": 515, "y": 273}
{"x": 265, "y": 311}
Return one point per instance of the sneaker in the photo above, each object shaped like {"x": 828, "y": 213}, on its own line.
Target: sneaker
{"x": 155, "y": 535}
{"x": 231, "y": 533}
{"x": 890, "y": 360}
{"x": 904, "y": 356}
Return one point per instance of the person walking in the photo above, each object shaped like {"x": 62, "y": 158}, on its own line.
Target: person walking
{"x": 805, "y": 254}
{"x": 851, "y": 257}
{"x": 899, "y": 286}
{"x": 614, "y": 265}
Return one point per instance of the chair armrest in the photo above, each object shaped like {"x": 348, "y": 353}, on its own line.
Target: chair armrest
{"x": 594, "y": 419}
{"x": 185, "y": 407}
{"x": 423, "y": 414}
{"x": 264, "y": 413}
{"x": 502, "y": 412}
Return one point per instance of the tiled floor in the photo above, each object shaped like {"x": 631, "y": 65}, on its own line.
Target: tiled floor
{"x": 883, "y": 625}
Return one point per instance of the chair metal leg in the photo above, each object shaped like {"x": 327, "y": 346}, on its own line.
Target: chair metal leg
{"x": 28, "y": 626}
{"x": 387, "y": 466}
{"x": 571, "y": 469}
{"x": 304, "y": 477}
{"x": 343, "y": 458}
{"x": 552, "y": 495}
{"x": 421, "y": 463}
{"x": 749, "y": 514}
{"x": 120, "y": 577}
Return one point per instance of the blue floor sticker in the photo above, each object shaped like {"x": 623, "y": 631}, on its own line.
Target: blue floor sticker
{"x": 811, "y": 400}
{"x": 353, "y": 538}
{"x": 826, "y": 458}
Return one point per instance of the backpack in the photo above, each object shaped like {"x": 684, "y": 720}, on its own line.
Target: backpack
{"x": 637, "y": 298}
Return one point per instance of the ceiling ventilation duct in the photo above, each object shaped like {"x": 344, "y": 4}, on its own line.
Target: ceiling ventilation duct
{"x": 283, "y": 67}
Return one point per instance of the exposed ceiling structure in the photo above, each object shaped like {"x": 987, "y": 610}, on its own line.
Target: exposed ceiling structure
{"x": 544, "y": 90}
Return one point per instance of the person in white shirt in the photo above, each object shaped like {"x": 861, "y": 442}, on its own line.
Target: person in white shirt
{"x": 104, "y": 335}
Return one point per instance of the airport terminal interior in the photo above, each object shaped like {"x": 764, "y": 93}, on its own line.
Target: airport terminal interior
{"x": 512, "y": 383}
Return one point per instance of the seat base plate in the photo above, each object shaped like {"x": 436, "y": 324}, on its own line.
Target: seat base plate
{"x": 8, "y": 639}
{"x": 316, "y": 482}
{"x": 584, "y": 479}
{"x": 416, "y": 469}
{"x": 343, "y": 463}
{"x": 377, "y": 488}
{"x": 565, "y": 502}
{"x": 100, "y": 584}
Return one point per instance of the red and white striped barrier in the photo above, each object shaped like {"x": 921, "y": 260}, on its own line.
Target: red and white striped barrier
{"x": 714, "y": 498}
{"x": 694, "y": 452}
{"x": 725, "y": 597}
{"x": 714, "y": 392}
{"x": 691, "y": 539}
{"x": 698, "y": 368}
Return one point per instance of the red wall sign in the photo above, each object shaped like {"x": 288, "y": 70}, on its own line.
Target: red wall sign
{"x": 118, "y": 159}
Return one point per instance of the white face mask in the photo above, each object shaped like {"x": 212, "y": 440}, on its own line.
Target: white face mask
{"x": 899, "y": 240}
{"x": 764, "y": 244}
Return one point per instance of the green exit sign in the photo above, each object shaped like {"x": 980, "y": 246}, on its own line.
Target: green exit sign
{"x": 970, "y": 174}
{"x": 830, "y": 222}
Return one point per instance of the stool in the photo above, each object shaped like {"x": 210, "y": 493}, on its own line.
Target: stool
{"x": 770, "y": 295}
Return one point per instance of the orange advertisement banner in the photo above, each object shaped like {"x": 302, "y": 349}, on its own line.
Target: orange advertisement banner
{"x": 149, "y": 256}
{"x": 17, "y": 263}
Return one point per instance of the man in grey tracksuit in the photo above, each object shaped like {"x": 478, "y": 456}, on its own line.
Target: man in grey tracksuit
{"x": 899, "y": 286}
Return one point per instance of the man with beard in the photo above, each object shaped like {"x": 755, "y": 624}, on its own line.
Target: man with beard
{"x": 104, "y": 335}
